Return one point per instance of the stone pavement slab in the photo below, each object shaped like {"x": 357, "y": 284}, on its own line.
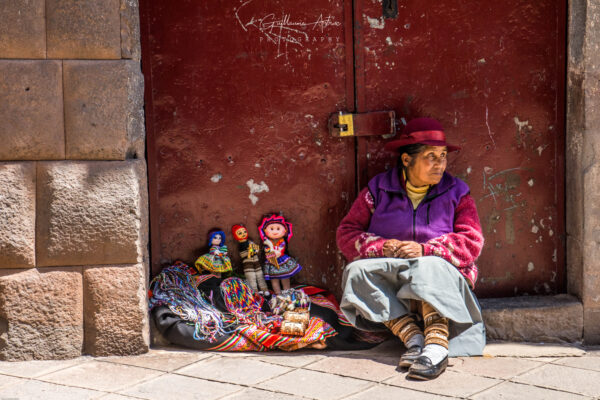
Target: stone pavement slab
{"x": 30, "y": 389}
{"x": 543, "y": 360}
{"x": 516, "y": 391}
{"x": 568, "y": 379}
{"x": 593, "y": 351}
{"x": 315, "y": 385}
{"x": 592, "y": 363}
{"x": 450, "y": 383}
{"x": 243, "y": 371}
{"x": 161, "y": 360}
{"x": 290, "y": 359}
{"x": 32, "y": 369}
{"x": 6, "y": 381}
{"x": 385, "y": 392}
{"x": 235, "y": 354}
{"x": 114, "y": 396}
{"x": 180, "y": 387}
{"x": 101, "y": 376}
{"x": 506, "y": 349}
{"x": 357, "y": 375}
{"x": 371, "y": 369}
{"x": 257, "y": 394}
{"x": 493, "y": 367}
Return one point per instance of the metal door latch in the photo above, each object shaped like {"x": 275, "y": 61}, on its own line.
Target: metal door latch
{"x": 374, "y": 123}
{"x": 345, "y": 124}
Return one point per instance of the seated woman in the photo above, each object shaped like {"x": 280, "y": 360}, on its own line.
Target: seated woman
{"x": 413, "y": 235}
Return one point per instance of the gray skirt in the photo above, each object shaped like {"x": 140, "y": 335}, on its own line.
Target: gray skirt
{"x": 380, "y": 289}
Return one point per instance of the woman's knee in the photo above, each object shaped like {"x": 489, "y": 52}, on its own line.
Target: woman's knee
{"x": 355, "y": 268}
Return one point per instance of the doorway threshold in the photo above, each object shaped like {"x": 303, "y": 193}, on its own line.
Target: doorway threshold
{"x": 537, "y": 319}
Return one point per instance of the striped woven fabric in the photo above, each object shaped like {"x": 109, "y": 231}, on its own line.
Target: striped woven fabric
{"x": 252, "y": 338}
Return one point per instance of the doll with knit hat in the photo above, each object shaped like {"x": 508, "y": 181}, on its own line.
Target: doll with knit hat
{"x": 249, "y": 253}
{"x": 279, "y": 267}
{"x": 216, "y": 261}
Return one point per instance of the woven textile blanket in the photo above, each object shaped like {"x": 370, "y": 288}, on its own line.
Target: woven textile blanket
{"x": 208, "y": 313}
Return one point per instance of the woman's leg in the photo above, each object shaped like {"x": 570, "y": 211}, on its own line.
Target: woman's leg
{"x": 434, "y": 359}
{"x": 436, "y": 327}
{"x": 411, "y": 335}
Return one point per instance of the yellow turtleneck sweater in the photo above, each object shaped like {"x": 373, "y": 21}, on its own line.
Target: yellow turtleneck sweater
{"x": 415, "y": 194}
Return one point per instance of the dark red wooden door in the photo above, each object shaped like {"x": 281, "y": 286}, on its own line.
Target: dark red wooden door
{"x": 238, "y": 95}
{"x": 493, "y": 73}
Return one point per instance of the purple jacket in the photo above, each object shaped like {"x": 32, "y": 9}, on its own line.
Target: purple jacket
{"x": 395, "y": 218}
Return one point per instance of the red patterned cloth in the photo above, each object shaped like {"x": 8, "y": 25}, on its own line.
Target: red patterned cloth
{"x": 460, "y": 248}
{"x": 252, "y": 338}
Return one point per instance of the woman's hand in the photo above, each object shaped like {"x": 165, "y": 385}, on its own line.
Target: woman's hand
{"x": 409, "y": 250}
{"x": 402, "y": 249}
{"x": 390, "y": 248}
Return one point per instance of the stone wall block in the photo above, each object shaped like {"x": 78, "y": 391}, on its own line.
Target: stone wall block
{"x": 574, "y": 182}
{"x": 591, "y": 87}
{"x": 591, "y": 284}
{"x": 91, "y": 213}
{"x": 534, "y": 319}
{"x": 116, "y": 310}
{"x": 41, "y": 314}
{"x": 31, "y": 110}
{"x": 591, "y": 230}
{"x": 17, "y": 215}
{"x": 23, "y": 29}
{"x": 591, "y": 51}
{"x": 103, "y": 110}
{"x": 130, "y": 30}
{"x": 136, "y": 130}
{"x": 591, "y": 332}
{"x": 88, "y": 29}
{"x": 576, "y": 39}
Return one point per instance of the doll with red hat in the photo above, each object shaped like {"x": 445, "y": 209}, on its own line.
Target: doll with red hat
{"x": 249, "y": 252}
{"x": 279, "y": 267}
{"x": 216, "y": 261}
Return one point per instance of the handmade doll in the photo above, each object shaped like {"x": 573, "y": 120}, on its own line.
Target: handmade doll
{"x": 249, "y": 254}
{"x": 216, "y": 260}
{"x": 279, "y": 266}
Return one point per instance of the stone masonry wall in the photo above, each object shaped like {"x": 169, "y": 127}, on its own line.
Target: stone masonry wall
{"x": 583, "y": 162}
{"x": 73, "y": 194}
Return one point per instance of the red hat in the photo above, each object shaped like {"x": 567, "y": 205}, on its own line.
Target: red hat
{"x": 234, "y": 229}
{"x": 421, "y": 131}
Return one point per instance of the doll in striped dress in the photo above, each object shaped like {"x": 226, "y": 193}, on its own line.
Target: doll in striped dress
{"x": 216, "y": 261}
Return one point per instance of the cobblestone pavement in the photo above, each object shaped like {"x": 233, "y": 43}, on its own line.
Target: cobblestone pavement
{"x": 507, "y": 371}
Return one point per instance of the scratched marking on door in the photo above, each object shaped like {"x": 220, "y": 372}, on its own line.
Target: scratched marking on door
{"x": 283, "y": 31}
{"x": 503, "y": 190}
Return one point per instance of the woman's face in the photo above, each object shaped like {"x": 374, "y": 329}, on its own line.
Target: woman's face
{"x": 275, "y": 231}
{"x": 427, "y": 167}
{"x": 216, "y": 240}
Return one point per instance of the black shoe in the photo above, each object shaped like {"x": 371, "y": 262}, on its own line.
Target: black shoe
{"x": 423, "y": 369}
{"x": 410, "y": 356}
